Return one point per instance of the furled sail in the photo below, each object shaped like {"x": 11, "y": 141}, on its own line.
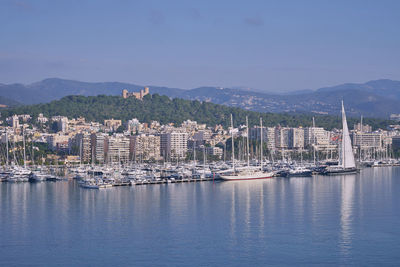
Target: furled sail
{"x": 346, "y": 151}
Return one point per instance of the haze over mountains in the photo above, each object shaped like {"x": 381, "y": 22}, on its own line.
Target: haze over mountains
{"x": 378, "y": 98}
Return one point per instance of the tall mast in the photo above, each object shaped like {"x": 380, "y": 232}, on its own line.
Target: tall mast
{"x": 23, "y": 141}
{"x": 248, "y": 147}
{"x": 194, "y": 154}
{"x": 361, "y": 135}
{"x": 204, "y": 161}
{"x": 80, "y": 153}
{"x": 343, "y": 141}
{"x": 262, "y": 147}
{"x": 233, "y": 145}
{"x": 33, "y": 156}
{"x": 7, "y": 147}
{"x": 313, "y": 137}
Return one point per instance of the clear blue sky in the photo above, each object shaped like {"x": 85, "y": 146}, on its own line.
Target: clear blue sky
{"x": 268, "y": 45}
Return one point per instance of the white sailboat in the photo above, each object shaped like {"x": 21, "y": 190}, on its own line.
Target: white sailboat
{"x": 347, "y": 163}
{"x": 247, "y": 173}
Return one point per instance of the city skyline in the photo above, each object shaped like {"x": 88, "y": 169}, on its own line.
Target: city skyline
{"x": 268, "y": 46}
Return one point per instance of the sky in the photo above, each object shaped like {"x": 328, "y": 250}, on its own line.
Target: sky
{"x": 272, "y": 46}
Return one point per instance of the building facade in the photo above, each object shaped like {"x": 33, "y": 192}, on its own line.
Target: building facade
{"x": 174, "y": 145}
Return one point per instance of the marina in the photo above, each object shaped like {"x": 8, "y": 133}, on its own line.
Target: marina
{"x": 107, "y": 176}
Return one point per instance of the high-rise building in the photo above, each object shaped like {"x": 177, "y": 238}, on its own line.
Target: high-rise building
{"x": 268, "y": 135}
{"x": 145, "y": 147}
{"x": 100, "y": 146}
{"x": 174, "y": 144}
{"x": 282, "y": 137}
{"x": 396, "y": 142}
{"x": 118, "y": 149}
{"x": 84, "y": 145}
{"x": 367, "y": 140}
{"x": 15, "y": 122}
{"x": 296, "y": 138}
{"x": 317, "y": 136}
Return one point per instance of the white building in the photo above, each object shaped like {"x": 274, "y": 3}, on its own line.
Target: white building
{"x": 316, "y": 135}
{"x": 296, "y": 138}
{"x": 100, "y": 146}
{"x": 133, "y": 125}
{"x": 367, "y": 140}
{"x": 174, "y": 144}
{"x": 145, "y": 147}
{"x": 42, "y": 119}
{"x": 282, "y": 137}
{"x": 118, "y": 149}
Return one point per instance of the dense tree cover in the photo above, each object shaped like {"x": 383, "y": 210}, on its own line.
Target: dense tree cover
{"x": 166, "y": 110}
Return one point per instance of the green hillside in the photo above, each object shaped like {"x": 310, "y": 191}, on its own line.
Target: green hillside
{"x": 165, "y": 110}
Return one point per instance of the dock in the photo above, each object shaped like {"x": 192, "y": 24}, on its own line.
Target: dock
{"x": 169, "y": 181}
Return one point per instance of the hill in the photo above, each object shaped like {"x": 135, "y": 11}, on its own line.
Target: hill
{"x": 166, "y": 110}
{"x": 54, "y": 88}
{"x": 6, "y": 102}
{"x": 378, "y": 98}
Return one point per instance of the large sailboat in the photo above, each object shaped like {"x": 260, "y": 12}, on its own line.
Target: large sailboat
{"x": 246, "y": 173}
{"x": 347, "y": 163}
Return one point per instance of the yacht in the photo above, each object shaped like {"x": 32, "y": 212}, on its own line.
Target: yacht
{"x": 299, "y": 171}
{"x": 246, "y": 173}
{"x": 347, "y": 163}
{"x": 19, "y": 174}
{"x": 38, "y": 176}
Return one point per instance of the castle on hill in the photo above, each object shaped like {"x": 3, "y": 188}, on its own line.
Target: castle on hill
{"x": 138, "y": 95}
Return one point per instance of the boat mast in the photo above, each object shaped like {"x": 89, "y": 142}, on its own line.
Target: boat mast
{"x": 313, "y": 137}
{"x": 361, "y": 136}
{"x": 343, "y": 141}
{"x": 33, "y": 156}
{"x": 204, "y": 161}
{"x": 80, "y": 153}
{"x": 194, "y": 154}
{"x": 6, "y": 147}
{"x": 23, "y": 141}
{"x": 261, "y": 137}
{"x": 233, "y": 146}
{"x": 248, "y": 147}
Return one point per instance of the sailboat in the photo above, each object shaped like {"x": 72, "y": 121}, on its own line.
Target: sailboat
{"x": 247, "y": 173}
{"x": 347, "y": 163}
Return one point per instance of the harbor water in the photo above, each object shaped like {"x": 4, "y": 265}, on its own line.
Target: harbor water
{"x": 319, "y": 220}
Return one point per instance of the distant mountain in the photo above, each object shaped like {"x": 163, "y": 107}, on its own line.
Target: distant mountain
{"x": 54, "y": 88}
{"x": 378, "y": 98}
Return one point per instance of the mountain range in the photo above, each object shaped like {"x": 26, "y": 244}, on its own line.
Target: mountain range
{"x": 378, "y": 98}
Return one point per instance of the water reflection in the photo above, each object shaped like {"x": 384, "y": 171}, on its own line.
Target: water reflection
{"x": 346, "y": 212}
{"x": 243, "y": 222}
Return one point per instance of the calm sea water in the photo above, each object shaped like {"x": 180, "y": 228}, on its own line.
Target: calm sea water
{"x": 340, "y": 220}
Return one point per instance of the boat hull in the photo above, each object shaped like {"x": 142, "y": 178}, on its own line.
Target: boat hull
{"x": 245, "y": 177}
{"x": 340, "y": 171}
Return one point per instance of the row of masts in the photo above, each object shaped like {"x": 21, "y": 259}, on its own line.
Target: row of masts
{"x": 7, "y": 160}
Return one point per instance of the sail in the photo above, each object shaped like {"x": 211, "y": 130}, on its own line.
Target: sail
{"x": 346, "y": 152}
